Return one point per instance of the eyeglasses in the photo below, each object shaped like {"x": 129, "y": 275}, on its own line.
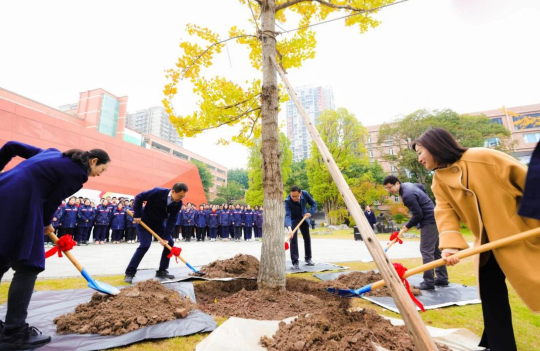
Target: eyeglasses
{"x": 388, "y": 188}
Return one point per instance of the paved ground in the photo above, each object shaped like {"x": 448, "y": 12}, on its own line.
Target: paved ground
{"x": 112, "y": 259}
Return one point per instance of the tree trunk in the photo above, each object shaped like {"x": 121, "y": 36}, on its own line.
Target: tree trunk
{"x": 272, "y": 267}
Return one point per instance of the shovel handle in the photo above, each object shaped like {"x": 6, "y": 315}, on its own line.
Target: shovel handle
{"x": 467, "y": 253}
{"x": 394, "y": 241}
{"x": 295, "y": 229}
{"x": 152, "y": 232}
{"x": 68, "y": 254}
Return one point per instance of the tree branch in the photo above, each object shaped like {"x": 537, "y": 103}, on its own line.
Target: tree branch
{"x": 325, "y": 3}
{"x": 234, "y": 119}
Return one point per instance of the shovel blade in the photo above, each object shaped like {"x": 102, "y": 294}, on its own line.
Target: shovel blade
{"x": 103, "y": 287}
{"x": 350, "y": 292}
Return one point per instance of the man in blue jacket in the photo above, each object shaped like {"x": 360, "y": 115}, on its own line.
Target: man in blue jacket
{"x": 414, "y": 196}
{"x": 295, "y": 210}
{"x": 161, "y": 204}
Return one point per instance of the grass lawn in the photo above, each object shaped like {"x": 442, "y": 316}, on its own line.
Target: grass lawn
{"x": 526, "y": 324}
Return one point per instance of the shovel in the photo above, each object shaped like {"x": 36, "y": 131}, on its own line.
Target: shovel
{"x": 292, "y": 233}
{"x": 93, "y": 284}
{"x": 370, "y": 259}
{"x": 200, "y": 274}
{"x": 441, "y": 262}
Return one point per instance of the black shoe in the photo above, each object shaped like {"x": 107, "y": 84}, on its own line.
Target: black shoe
{"x": 1, "y": 326}
{"x": 443, "y": 283}
{"x": 23, "y": 338}
{"x": 426, "y": 286}
{"x": 310, "y": 263}
{"x": 129, "y": 278}
{"x": 163, "y": 274}
{"x": 295, "y": 265}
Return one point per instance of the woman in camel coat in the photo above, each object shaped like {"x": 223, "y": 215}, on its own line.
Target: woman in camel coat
{"x": 483, "y": 188}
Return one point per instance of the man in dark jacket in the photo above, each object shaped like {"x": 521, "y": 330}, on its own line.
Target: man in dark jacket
{"x": 530, "y": 202}
{"x": 295, "y": 210}
{"x": 414, "y": 196}
{"x": 161, "y": 204}
{"x": 370, "y": 216}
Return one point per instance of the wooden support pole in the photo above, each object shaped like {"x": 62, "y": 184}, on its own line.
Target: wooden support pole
{"x": 406, "y": 307}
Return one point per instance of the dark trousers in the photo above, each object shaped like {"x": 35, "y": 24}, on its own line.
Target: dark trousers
{"x": 187, "y": 231}
{"x": 429, "y": 248}
{"x": 20, "y": 291}
{"x": 231, "y": 231}
{"x": 237, "y": 233}
{"x": 131, "y": 233}
{"x": 304, "y": 229}
{"x": 145, "y": 239}
{"x": 200, "y": 233}
{"x": 258, "y": 232}
{"x": 100, "y": 232}
{"x": 207, "y": 232}
{"x": 224, "y": 232}
{"x": 82, "y": 233}
{"x": 247, "y": 233}
{"x": 63, "y": 231}
{"x": 498, "y": 331}
{"x": 117, "y": 234}
{"x": 176, "y": 231}
{"x": 213, "y": 233}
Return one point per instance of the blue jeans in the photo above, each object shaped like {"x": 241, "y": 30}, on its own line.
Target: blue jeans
{"x": 145, "y": 239}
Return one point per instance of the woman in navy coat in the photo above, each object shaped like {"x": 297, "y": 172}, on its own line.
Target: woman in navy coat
{"x": 31, "y": 193}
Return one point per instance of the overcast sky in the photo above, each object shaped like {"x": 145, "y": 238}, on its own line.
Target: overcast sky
{"x": 467, "y": 55}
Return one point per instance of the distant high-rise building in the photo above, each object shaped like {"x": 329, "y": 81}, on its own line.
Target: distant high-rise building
{"x": 154, "y": 121}
{"x": 314, "y": 99}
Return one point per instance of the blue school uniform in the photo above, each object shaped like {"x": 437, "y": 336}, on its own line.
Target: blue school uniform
{"x": 85, "y": 218}
{"x": 249, "y": 221}
{"x": 69, "y": 216}
{"x": 31, "y": 193}
{"x": 259, "y": 220}
{"x": 118, "y": 223}
{"x": 225, "y": 222}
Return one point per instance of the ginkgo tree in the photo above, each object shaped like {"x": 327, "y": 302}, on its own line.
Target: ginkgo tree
{"x": 253, "y": 105}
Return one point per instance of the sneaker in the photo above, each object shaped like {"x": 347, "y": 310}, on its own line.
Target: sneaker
{"x": 426, "y": 286}
{"x": 164, "y": 274}
{"x": 310, "y": 263}
{"x": 97, "y": 242}
{"x": 443, "y": 283}
{"x": 296, "y": 266}
{"x": 129, "y": 278}
{"x": 23, "y": 338}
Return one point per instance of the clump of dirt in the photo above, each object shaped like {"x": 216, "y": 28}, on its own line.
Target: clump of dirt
{"x": 338, "y": 330}
{"x": 143, "y": 304}
{"x": 356, "y": 280}
{"x": 240, "y": 266}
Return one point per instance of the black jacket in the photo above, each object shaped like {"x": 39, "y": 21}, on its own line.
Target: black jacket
{"x": 415, "y": 197}
{"x": 156, "y": 209}
{"x": 530, "y": 202}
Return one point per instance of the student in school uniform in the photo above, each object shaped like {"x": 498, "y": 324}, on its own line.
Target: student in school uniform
{"x": 101, "y": 222}
{"x": 225, "y": 221}
{"x": 56, "y": 224}
{"x": 213, "y": 220}
{"x": 131, "y": 226}
{"x": 188, "y": 222}
{"x": 178, "y": 226}
{"x": 237, "y": 222}
{"x": 118, "y": 223}
{"x": 259, "y": 221}
{"x": 207, "y": 211}
{"x": 231, "y": 225}
{"x": 201, "y": 220}
{"x": 68, "y": 222}
{"x": 249, "y": 222}
{"x": 85, "y": 218}
{"x": 218, "y": 211}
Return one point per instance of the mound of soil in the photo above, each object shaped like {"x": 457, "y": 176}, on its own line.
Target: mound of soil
{"x": 357, "y": 280}
{"x": 242, "y": 266}
{"x": 146, "y": 303}
{"x": 338, "y": 330}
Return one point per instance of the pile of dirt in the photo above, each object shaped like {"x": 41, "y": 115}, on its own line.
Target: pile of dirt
{"x": 146, "y": 303}
{"x": 337, "y": 330}
{"x": 356, "y": 280}
{"x": 240, "y": 266}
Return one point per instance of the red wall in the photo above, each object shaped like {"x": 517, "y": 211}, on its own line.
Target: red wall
{"x": 132, "y": 169}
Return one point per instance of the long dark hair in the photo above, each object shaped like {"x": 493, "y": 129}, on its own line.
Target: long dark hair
{"x": 441, "y": 145}
{"x": 83, "y": 157}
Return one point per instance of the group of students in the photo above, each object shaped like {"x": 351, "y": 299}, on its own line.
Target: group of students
{"x": 78, "y": 216}
{"x": 219, "y": 222}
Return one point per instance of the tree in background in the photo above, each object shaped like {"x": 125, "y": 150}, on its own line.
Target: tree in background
{"x": 232, "y": 192}
{"x": 207, "y": 178}
{"x": 218, "y": 201}
{"x": 298, "y": 176}
{"x": 253, "y": 104}
{"x": 238, "y": 175}
{"x": 470, "y": 131}
{"x": 255, "y": 192}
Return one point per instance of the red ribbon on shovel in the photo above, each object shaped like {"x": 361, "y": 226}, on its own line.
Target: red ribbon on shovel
{"x": 400, "y": 269}
{"x": 64, "y": 243}
{"x": 175, "y": 251}
{"x": 395, "y": 235}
